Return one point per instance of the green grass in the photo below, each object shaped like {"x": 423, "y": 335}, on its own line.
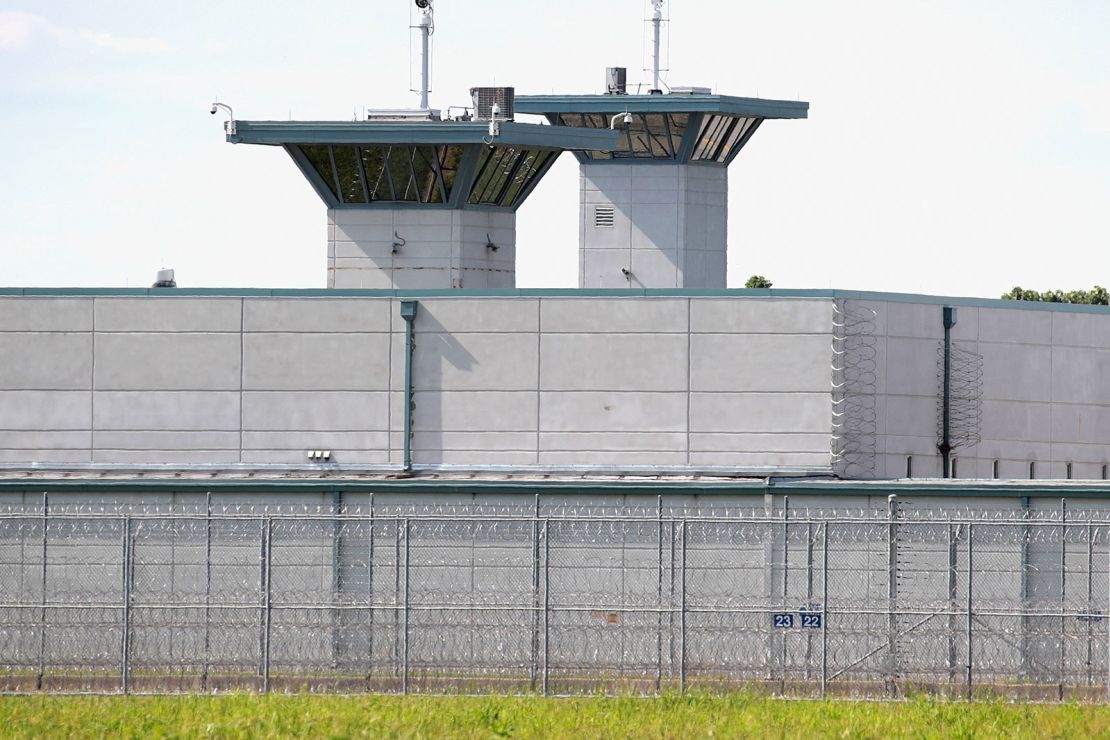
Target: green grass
{"x": 671, "y": 716}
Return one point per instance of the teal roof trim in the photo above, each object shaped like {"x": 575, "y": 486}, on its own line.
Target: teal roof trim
{"x": 725, "y": 104}
{"x": 280, "y": 133}
{"x": 819, "y": 293}
{"x": 529, "y": 486}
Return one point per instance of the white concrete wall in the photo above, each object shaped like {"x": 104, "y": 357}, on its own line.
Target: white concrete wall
{"x": 442, "y": 248}
{"x": 1045, "y": 390}
{"x": 523, "y": 381}
{"x": 669, "y": 230}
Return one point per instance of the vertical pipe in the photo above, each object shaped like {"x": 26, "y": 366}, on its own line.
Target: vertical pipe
{"x": 405, "y": 638}
{"x": 892, "y": 593}
{"x": 970, "y": 571}
{"x": 824, "y": 606}
{"x": 42, "y": 611}
{"x": 125, "y": 638}
{"x": 546, "y": 602}
{"x": 207, "y": 590}
{"x": 682, "y": 623}
{"x": 408, "y": 313}
{"x": 945, "y": 447}
{"x": 267, "y": 596}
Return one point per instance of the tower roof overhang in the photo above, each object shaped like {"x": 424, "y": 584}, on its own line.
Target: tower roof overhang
{"x": 422, "y": 164}
{"x": 675, "y": 128}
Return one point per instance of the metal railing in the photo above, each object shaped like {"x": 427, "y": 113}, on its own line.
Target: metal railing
{"x": 139, "y": 599}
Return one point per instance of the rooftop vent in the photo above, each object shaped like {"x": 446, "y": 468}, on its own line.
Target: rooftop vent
{"x": 403, "y": 114}
{"x": 485, "y": 98}
{"x": 691, "y": 90}
{"x": 165, "y": 280}
{"x": 616, "y": 81}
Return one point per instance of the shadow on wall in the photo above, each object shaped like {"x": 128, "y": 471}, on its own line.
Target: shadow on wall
{"x": 435, "y": 346}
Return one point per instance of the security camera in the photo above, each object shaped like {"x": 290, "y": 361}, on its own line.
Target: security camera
{"x": 213, "y": 111}
{"x": 627, "y": 119}
{"x": 423, "y": 4}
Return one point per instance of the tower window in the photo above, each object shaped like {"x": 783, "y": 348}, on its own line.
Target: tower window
{"x": 909, "y": 466}
{"x": 1067, "y": 471}
{"x": 994, "y": 469}
{"x": 1032, "y": 470}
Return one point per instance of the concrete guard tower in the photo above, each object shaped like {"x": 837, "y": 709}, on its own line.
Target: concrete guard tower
{"x": 421, "y": 203}
{"x": 654, "y": 210}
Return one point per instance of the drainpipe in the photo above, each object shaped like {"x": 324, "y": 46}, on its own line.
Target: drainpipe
{"x": 408, "y": 313}
{"x": 945, "y": 445}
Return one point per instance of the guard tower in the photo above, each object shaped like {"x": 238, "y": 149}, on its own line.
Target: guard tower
{"x": 654, "y": 210}
{"x": 421, "y": 203}
{"x": 415, "y": 201}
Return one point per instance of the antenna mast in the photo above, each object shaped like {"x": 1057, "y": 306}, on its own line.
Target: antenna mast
{"x": 426, "y": 26}
{"x": 656, "y": 26}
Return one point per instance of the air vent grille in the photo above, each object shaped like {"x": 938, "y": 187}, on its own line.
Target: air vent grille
{"x": 603, "y": 217}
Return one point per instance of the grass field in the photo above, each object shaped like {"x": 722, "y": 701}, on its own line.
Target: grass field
{"x": 737, "y": 715}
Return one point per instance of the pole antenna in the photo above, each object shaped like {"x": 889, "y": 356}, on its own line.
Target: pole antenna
{"x": 426, "y": 26}
{"x": 657, "y": 20}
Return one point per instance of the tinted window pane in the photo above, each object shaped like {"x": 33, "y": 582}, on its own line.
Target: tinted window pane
{"x": 350, "y": 181}
{"x": 373, "y": 163}
{"x": 449, "y": 159}
{"x": 318, "y": 157}
{"x": 427, "y": 180}
{"x": 533, "y": 168}
{"x": 678, "y": 123}
{"x": 493, "y": 173}
{"x": 400, "y": 169}
{"x": 736, "y": 137}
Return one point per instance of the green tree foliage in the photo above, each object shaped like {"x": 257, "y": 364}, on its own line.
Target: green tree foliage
{"x": 1096, "y": 296}
{"x": 758, "y": 281}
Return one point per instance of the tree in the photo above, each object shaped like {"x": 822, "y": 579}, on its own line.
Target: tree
{"x": 758, "y": 281}
{"x": 1097, "y": 296}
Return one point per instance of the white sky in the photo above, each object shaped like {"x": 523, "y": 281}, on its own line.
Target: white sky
{"x": 953, "y": 146}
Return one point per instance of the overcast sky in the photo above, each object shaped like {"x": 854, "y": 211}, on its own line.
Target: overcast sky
{"x": 953, "y": 146}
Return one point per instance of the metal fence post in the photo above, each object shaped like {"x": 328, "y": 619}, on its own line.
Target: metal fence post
{"x": 535, "y": 636}
{"x": 970, "y": 571}
{"x": 892, "y": 594}
{"x": 207, "y": 590}
{"x": 546, "y": 602}
{"x": 785, "y": 584}
{"x": 659, "y": 601}
{"x": 42, "y": 612}
{"x": 953, "y": 569}
{"x": 405, "y": 634}
{"x": 809, "y": 600}
{"x": 824, "y": 606}
{"x": 1061, "y": 667}
{"x": 1090, "y": 601}
{"x": 682, "y": 622}
{"x": 267, "y": 596}
{"x": 370, "y": 590}
{"x": 125, "y": 638}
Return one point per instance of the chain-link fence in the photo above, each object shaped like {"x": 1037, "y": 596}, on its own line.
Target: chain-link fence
{"x": 136, "y": 599}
